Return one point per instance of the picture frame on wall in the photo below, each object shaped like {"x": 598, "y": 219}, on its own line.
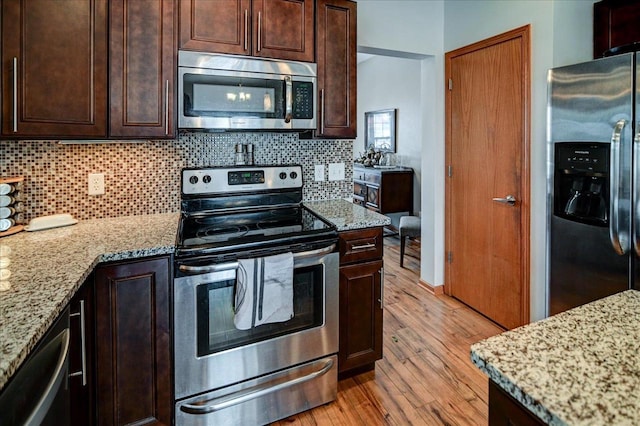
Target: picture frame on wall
{"x": 380, "y": 130}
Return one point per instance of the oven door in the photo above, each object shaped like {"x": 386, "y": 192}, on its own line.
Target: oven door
{"x": 211, "y": 353}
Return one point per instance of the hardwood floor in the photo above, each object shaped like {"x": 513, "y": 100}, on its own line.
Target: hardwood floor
{"x": 426, "y": 376}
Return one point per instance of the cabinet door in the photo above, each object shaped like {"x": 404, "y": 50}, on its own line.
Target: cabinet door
{"x": 133, "y": 370}
{"x": 283, "y": 29}
{"x": 54, "y": 68}
{"x": 81, "y": 367}
{"x": 142, "y": 68}
{"x": 221, "y": 26}
{"x": 615, "y": 24}
{"x": 336, "y": 58}
{"x": 360, "y": 315}
{"x": 504, "y": 410}
{"x": 373, "y": 197}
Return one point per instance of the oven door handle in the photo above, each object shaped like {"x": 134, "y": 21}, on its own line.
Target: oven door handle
{"x": 253, "y": 393}
{"x": 234, "y": 265}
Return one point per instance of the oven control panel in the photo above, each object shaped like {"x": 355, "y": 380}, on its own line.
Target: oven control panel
{"x": 227, "y": 180}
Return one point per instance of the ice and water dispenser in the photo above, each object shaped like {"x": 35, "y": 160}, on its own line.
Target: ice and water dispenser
{"x": 581, "y": 182}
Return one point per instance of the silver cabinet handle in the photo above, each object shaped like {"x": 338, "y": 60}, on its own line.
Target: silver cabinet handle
{"x": 381, "y": 300}
{"x": 619, "y": 246}
{"x": 83, "y": 341}
{"x": 259, "y": 31}
{"x": 15, "y": 94}
{"x": 234, "y": 265}
{"x": 636, "y": 192}
{"x": 166, "y": 108}
{"x": 322, "y": 111}
{"x": 246, "y": 29}
{"x": 288, "y": 99}
{"x": 509, "y": 199}
{"x": 363, "y": 246}
{"x": 255, "y": 392}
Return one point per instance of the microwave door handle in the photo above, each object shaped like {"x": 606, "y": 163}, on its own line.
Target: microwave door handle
{"x": 288, "y": 99}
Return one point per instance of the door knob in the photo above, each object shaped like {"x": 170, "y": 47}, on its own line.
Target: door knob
{"x": 509, "y": 199}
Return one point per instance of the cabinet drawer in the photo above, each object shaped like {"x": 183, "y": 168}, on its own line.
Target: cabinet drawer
{"x": 373, "y": 177}
{"x": 359, "y": 189}
{"x": 360, "y": 245}
{"x": 358, "y": 174}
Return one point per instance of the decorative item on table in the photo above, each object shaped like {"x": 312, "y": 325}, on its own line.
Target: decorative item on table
{"x": 11, "y": 206}
{"x": 373, "y": 158}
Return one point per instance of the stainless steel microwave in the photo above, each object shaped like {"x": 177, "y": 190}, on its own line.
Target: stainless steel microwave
{"x": 226, "y": 92}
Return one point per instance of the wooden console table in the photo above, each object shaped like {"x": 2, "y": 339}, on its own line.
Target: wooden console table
{"x": 383, "y": 190}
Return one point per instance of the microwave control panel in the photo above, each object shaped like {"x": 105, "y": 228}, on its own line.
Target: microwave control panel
{"x": 302, "y": 99}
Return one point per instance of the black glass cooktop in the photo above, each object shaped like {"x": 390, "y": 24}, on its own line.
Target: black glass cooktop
{"x": 212, "y": 233}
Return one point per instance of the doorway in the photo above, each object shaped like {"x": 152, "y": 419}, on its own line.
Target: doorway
{"x": 487, "y": 136}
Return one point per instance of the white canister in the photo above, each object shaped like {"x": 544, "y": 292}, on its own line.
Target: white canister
{"x": 5, "y": 224}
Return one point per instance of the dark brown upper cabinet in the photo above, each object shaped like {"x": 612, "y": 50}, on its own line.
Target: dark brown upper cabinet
{"x": 54, "y": 68}
{"x": 142, "y": 68}
{"x": 336, "y": 58}
{"x": 55, "y": 78}
{"x": 281, "y": 29}
{"x": 615, "y": 25}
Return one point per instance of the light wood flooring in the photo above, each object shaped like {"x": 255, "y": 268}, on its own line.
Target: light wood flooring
{"x": 426, "y": 376}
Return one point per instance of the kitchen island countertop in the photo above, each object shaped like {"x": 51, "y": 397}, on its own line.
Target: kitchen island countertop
{"x": 579, "y": 367}
{"x": 346, "y": 215}
{"x": 47, "y": 268}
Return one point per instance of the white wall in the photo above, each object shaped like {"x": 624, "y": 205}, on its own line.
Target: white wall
{"x": 386, "y": 82}
{"x": 561, "y": 33}
{"x": 415, "y": 29}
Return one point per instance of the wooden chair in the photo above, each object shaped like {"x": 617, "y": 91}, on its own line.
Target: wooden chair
{"x": 409, "y": 227}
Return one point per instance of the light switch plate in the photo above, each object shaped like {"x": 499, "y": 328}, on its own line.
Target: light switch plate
{"x": 319, "y": 173}
{"x": 336, "y": 171}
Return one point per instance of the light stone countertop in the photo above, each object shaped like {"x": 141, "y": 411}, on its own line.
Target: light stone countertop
{"x": 47, "y": 268}
{"x": 579, "y": 367}
{"x": 346, "y": 215}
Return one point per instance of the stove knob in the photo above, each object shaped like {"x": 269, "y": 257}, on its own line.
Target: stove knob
{"x": 193, "y": 180}
{"x": 206, "y": 178}
{"x": 293, "y": 175}
{"x": 283, "y": 175}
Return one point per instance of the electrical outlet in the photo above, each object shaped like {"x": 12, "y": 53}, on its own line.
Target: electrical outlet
{"x": 336, "y": 171}
{"x": 96, "y": 183}
{"x": 319, "y": 173}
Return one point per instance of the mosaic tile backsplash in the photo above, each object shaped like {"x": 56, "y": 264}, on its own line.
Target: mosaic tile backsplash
{"x": 144, "y": 177}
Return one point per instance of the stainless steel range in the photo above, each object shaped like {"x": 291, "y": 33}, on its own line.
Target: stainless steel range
{"x": 255, "y": 298}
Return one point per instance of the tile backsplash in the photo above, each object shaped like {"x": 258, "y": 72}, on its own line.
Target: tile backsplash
{"x": 144, "y": 177}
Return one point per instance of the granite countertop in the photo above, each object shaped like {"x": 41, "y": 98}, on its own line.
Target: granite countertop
{"x": 579, "y": 367}
{"x": 346, "y": 215}
{"x": 47, "y": 268}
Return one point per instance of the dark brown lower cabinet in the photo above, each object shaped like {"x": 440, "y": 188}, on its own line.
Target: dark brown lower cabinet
{"x": 361, "y": 301}
{"x": 133, "y": 355}
{"x": 504, "y": 410}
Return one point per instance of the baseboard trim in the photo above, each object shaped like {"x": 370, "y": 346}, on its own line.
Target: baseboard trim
{"x": 436, "y": 290}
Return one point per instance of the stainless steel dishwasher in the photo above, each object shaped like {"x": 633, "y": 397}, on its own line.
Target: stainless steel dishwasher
{"x": 38, "y": 393}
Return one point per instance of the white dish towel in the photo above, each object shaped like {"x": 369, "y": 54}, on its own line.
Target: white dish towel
{"x": 264, "y": 291}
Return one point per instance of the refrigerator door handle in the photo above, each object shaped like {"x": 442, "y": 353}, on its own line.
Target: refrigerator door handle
{"x": 636, "y": 191}
{"x": 619, "y": 246}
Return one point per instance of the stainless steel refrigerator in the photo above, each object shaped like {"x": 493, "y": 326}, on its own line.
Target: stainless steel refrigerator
{"x": 593, "y": 187}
